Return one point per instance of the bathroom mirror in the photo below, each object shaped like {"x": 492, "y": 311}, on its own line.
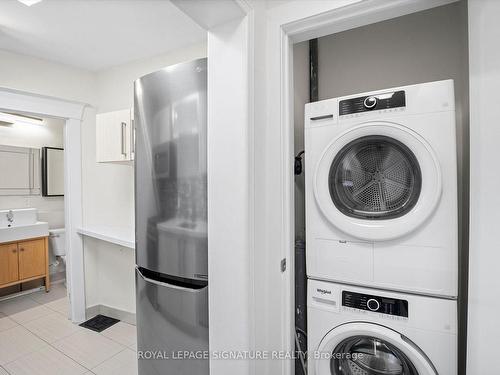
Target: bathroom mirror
{"x": 52, "y": 171}
{"x": 19, "y": 170}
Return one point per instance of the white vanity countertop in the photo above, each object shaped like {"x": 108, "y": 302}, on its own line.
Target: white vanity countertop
{"x": 24, "y": 232}
{"x": 121, "y": 236}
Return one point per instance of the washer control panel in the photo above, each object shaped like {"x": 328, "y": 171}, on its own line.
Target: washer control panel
{"x": 374, "y": 102}
{"x": 383, "y": 305}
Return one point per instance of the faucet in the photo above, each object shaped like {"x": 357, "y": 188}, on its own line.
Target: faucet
{"x": 10, "y": 217}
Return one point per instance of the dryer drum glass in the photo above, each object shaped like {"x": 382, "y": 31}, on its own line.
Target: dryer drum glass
{"x": 365, "y": 355}
{"x": 375, "y": 177}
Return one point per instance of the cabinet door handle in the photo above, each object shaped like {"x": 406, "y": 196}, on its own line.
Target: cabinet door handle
{"x": 21, "y": 249}
{"x": 14, "y": 251}
{"x": 124, "y": 128}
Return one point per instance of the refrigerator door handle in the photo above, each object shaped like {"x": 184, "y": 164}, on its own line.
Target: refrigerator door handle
{"x": 167, "y": 285}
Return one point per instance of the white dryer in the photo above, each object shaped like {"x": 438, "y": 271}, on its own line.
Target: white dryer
{"x": 362, "y": 331}
{"x": 381, "y": 189}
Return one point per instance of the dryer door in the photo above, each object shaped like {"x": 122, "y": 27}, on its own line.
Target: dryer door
{"x": 377, "y": 181}
{"x": 369, "y": 349}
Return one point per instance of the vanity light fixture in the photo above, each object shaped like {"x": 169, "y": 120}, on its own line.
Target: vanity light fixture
{"x": 11, "y": 118}
{"x": 29, "y": 2}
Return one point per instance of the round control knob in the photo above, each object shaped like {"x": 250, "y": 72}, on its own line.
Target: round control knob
{"x": 372, "y": 304}
{"x": 370, "y": 102}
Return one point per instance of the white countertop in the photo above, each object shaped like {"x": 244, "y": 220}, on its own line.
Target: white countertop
{"x": 23, "y": 232}
{"x": 117, "y": 235}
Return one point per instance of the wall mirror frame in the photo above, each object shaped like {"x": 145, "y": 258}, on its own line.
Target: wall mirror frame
{"x": 52, "y": 172}
{"x": 19, "y": 170}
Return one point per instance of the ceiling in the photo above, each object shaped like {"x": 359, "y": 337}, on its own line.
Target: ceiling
{"x": 95, "y": 34}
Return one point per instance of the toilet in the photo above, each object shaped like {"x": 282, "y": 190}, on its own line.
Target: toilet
{"x": 57, "y": 243}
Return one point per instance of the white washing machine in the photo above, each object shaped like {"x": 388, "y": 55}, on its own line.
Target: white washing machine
{"x": 381, "y": 189}
{"x": 363, "y": 331}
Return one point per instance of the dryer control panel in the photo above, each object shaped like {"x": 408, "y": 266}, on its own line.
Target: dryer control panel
{"x": 373, "y": 102}
{"x": 383, "y": 305}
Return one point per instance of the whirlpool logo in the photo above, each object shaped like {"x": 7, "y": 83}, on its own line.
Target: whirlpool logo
{"x": 323, "y": 291}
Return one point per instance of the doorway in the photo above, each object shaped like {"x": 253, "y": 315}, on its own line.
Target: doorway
{"x": 71, "y": 113}
{"x": 449, "y": 60}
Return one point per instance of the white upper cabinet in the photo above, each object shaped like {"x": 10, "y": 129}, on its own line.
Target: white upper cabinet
{"x": 115, "y": 136}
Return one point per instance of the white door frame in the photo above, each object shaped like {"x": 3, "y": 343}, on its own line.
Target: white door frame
{"x": 72, "y": 113}
{"x": 301, "y": 21}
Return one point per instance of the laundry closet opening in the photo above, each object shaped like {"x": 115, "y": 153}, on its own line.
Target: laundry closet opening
{"x": 389, "y": 58}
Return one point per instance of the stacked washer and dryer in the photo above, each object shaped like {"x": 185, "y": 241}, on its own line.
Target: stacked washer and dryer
{"x": 382, "y": 232}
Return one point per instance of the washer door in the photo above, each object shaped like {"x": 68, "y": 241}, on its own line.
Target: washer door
{"x": 369, "y": 349}
{"x": 377, "y": 181}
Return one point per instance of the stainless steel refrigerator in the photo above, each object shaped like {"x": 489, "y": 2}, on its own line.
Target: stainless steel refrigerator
{"x": 170, "y": 111}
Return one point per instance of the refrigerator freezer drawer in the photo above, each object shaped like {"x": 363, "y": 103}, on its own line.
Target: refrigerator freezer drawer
{"x": 171, "y": 319}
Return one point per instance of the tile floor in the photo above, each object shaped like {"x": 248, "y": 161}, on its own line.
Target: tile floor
{"x": 36, "y": 338}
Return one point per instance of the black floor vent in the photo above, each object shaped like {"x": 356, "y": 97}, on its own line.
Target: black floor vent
{"x": 99, "y": 323}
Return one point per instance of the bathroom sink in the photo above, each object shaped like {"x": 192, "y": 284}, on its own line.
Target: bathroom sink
{"x": 21, "y": 224}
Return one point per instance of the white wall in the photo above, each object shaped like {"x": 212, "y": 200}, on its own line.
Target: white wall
{"x": 108, "y": 188}
{"x": 229, "y": 196}
{"x": 49, "y": 134}
{"x": 46, "y": 78}
{"x": 484, "y": 282}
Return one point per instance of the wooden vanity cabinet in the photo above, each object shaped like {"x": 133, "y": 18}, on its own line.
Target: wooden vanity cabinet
{"x": 23, "y": 261}
{"x": 9, "y": 269}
